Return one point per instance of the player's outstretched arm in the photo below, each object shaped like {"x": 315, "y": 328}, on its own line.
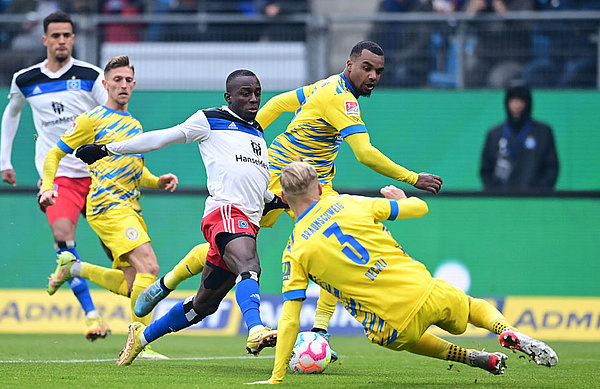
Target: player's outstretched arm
{"x": 371, "y": 157}
{"x": 405, "y": 208}
{"x": 429, "y": 182}
{"x": 53, "y": 158}
{"x": 284, "y": 102}
{"x": 287, "y": 331}
{"x": 91, "y": 153}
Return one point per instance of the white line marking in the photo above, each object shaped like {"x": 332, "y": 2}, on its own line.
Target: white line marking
{"x": 115, "y": 359}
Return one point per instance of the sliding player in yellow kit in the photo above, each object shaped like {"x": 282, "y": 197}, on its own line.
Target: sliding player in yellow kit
{"x": 325, "y": 113}
{"x": 113, "y": 208}
{"x": 338, "y": 243}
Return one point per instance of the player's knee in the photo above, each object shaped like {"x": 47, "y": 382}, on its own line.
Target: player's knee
{"x": 247, "y": 275}
{"x": 203, "y": 310}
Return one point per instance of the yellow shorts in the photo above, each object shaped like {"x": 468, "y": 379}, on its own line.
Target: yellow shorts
{"x": 268, "y": 220}
{"x": 121, "y": 230}
{"x": 446, "y": 307}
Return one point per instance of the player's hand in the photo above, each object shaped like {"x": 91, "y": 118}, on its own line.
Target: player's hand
{"x": 429, "y": 182}
{"x": 91, "y": 153}
{"x": 392, "y": 193}
{"x": 168, "y": 182}
{"x": 276, "y": 203}
{"x": 10, "y": 177}
{"x": 48, "y": 198}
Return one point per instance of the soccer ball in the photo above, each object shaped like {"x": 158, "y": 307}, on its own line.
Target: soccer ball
{"x": 311, "y": 353}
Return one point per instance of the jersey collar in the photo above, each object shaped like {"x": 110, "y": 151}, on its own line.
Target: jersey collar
{"x": 348, "y": 85}
{"x": 226, "y": 108}
{"x": 117, "y": 112}
{"x": 60, "y": 71}
{"x": 306, "y": 211}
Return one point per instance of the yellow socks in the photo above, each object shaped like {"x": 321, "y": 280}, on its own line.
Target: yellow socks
{"x": 189, "y": 266}
{"x": 431, "y": 346}
{"x": 110, "y": 279}
{"x": 141, "y": 282}
{"x": 325, "y": 308}
{"x": 484, "y": 315}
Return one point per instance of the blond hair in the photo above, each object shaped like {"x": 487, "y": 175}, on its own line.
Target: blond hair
{"x": 297, "y": 178}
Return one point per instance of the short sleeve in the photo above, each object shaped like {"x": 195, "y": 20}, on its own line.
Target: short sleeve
{"x": 80, "y": 133}
{"x": 343, "y": 113}
{"x": 196, "y": 128}
{"x": 295, "y": 277}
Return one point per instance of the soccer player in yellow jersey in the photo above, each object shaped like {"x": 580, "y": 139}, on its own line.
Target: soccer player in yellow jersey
{"x": 325, "y": 113}
{"x": 339, "y": 243}
{"x": 113, "y": 209}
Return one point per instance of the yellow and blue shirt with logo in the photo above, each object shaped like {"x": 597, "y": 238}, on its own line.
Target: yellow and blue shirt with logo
{"x": 339, "y": 243}
{"x": 328, "y": 113}
{"x": 115, "y": 179}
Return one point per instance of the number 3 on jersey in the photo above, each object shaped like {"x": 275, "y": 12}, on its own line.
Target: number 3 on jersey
{"x": 363, "y": 255}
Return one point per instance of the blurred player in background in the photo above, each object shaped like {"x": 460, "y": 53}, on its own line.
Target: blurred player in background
{"x": 339, "y": 243}
{"x": 325, "y": 113}
{"x": 113, "y": 208}
{"x": 234, "y": 153}
{"x": 58, "y": 89}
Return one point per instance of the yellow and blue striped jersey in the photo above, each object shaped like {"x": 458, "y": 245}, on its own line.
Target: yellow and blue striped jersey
{"x": 328, "y": 113}
{"x": 115, "y": 179}
{"x": 339, "y": 243}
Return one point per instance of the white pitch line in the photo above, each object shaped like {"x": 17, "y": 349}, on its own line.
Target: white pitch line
{"x": 113, "y": 360}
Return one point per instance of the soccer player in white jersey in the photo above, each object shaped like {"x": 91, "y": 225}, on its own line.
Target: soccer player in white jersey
{"x": 234, "y": 153}
{"x": 58, "y": 90}
{"x": 339, "y": 243}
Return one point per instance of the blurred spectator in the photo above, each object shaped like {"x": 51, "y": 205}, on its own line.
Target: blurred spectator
{"x": 180, "y": 32}
{"x": 501, "y": 46}
{"x": 123, "y": 32}
{"x": 283, "y": 30}
{"x": 407, "y": 45}
{"x": 564, "y": 52}
{"x": 519, "y": 154}
{"x": 21, "y": 45}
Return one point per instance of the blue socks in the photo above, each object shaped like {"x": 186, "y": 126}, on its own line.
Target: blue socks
{"x": 248, "y": 298}
{"x": 174, "y": 320}
{"x": 78, "y": 285}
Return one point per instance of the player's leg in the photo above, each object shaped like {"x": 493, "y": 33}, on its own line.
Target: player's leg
{"x": 240, "y": 255}
{"x": 446, "y": 307}
{"x": 483, "y": 314}
{"x": 431, "y": 346}
{"x": 215, "y": 284}
{"x": 189, "y": 266}
{"x": 325, "y": 309}
{"x": 143, "y": 260}
{"x": 63, "y": 217}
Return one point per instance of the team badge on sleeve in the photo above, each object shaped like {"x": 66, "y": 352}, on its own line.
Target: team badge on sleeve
{"x": 131, "y": 233}
{"x": 352, "y": 108}
{"x": 286, "y": 270}
{"x": 72, "y": 128}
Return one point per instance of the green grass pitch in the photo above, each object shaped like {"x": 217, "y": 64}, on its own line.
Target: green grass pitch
{"x": 69, "y": 361}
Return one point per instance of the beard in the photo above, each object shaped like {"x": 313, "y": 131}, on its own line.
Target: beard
{"x": 62, "y": 57}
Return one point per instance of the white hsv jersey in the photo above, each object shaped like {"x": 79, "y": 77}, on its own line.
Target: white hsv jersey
{"x": 235, "y": 157}
{"x": 56, "y": 99}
